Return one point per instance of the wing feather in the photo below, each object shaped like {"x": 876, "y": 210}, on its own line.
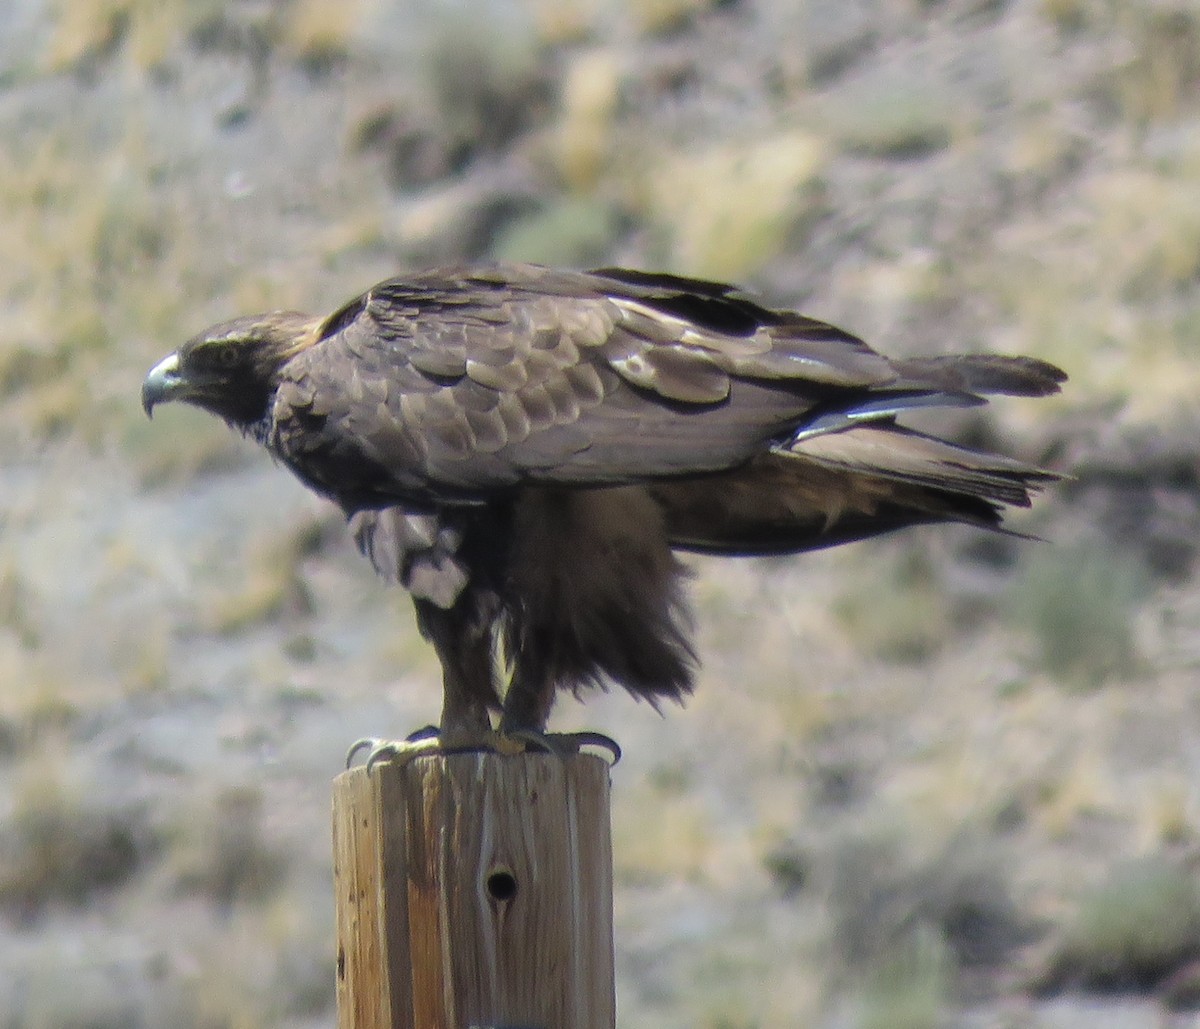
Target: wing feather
{"x": 465, "y": 380}
{"x": 674, "y": 373}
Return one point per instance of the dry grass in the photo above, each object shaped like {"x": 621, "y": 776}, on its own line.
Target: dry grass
{"x": 256, "y": 971}
{"x": 147, "y": 31}
{"x": 894, "y": 607}
{"x": 1158, "y": 69}
{"x": 1131, "y": 931}
{"x": 143, "y": 36}
{"x": 1101, "y": 287}
{"x": 892, "y": 113}
{"x": 220, "y": 851}
{"x": 105, "y": 260}
{"x": 269, "y": 584}
{"x": 321, "y": 34}
{"x": 1079, "y": 604}
{"x": 563, "y": 22}
{"x": 659, "y": 17}
{"x": 729, "y": 209}
{"x": 912, "y": 990}
{"x": 583, "y": 138}
{"x": 62, "y": 849}
{"x": 948, "y": 905}
{"x": 679, "y": 844}
{"x": 571, "y": 233}
{"x": 486, "y": 81}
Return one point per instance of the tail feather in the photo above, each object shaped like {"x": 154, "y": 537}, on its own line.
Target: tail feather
{"x": 924, "y": 382}
{"x": 899, "y": 454}
{"x": 834, "y": 488}
{"x": 983, "y": 374}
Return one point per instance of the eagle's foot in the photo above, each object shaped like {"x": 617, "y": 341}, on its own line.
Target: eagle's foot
{"x": 567, "y": 744}
{"x": 423, "y": 741}
{"x": 431, "y": 740}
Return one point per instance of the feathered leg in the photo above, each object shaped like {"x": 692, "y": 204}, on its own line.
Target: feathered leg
{"x": 593, "y": 595}
{"x": 463, "y": 641}
{"x": 528, "y": 700}
{"x": 462, "y": 636}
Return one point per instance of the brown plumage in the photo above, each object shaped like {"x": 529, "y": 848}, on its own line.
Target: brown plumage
{"x": 525, "y": 450}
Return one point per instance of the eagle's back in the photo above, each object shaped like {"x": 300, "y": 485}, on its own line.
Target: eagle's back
{"x": 456, "y": 383}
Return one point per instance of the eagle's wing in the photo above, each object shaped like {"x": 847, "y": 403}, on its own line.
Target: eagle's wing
{"x": 458, "y": 382}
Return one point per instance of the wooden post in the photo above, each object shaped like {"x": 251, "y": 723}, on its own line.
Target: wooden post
{"x": 474, "y": 890}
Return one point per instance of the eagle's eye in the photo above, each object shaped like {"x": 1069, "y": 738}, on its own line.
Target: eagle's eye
{"x": 216, "y": 356}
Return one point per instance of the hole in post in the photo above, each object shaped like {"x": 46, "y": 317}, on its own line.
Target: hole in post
{"x": 501, "y": 885}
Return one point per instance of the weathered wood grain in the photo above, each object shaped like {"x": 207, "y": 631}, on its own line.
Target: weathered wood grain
{"x": 475, "y": 890}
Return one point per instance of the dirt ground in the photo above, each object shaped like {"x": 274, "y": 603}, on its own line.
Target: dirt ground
{"x": 937, "y": 780}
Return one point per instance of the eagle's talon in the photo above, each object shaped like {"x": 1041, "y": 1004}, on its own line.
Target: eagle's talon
{"x": 597, "y": 740}
{"x": 565, "y": 744}
{"x": 365, "y": 743}
{"x": 422, "y": 741}
{"x": 431, "y": 740}
{"x": 385, "y": 752}
{"x": 401, "y": 752}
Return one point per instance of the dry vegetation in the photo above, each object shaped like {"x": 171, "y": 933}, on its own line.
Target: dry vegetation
{"x": 936, "y": 780}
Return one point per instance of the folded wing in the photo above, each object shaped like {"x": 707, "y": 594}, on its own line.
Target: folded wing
{"x": 459, "y": 382}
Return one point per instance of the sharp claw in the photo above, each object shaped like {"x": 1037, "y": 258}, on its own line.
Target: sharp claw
{"x": 597, "y": 739}
{"x": 398, "y": 751}
{"x": 430, "y": 740}
{"x": 384, "y": 751}
{"x": 366, "y": 743}
{"x": 379, "y": 750}
{"x": 564, "y": 744}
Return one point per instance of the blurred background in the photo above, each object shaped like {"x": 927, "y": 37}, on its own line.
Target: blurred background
{"x": 943, "y": 779}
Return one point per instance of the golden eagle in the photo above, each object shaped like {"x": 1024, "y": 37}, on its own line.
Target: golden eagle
{"x": 526, "y": 450}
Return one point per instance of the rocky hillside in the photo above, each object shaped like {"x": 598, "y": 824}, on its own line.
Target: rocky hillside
{"x": 937, "y": 780}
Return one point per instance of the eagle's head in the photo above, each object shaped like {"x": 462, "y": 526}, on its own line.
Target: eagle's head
{"x": 232, "y": 368}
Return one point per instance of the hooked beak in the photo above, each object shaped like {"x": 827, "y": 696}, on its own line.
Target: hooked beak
{"x": 162, "y": 383}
